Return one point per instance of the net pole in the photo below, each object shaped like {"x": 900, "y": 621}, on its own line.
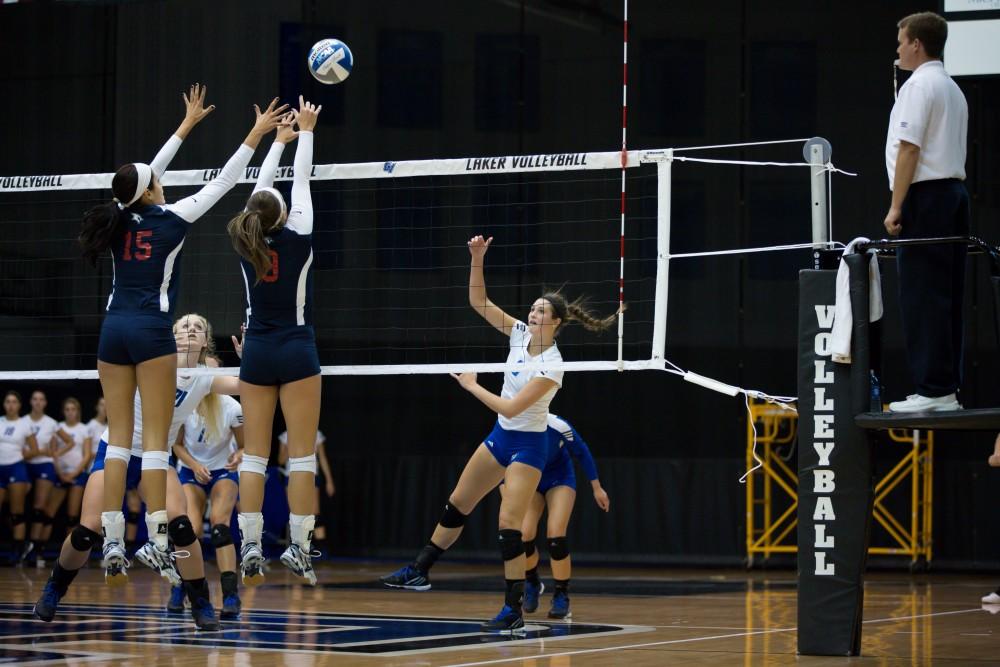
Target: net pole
{"x": 621, "y": 250}
{"x": 663, "y": 195}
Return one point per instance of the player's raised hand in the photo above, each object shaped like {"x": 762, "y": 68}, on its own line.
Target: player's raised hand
{"x": 286, "y": 130}
{"x": 307, "y": 115}
{"x": 478, "y": 246}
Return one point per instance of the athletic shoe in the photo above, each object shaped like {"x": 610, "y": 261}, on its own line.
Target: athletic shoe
{"x": 918, "y": 403}
{"x": 300, "y": 563}
{"x": 560, "y": 606}
{"x": 158, "y": 561}
{"x": 45, "y": 608}
{"x": 251, "y": 564}
{"x": 176, "y": 602}
{"x": 115, "y": 564}
{"x": 508, "y": 621}
{"x": 407, "y": 577}
{"x": 231, "y": 607}
{"x": 203, "y": 614}
{"x": 531, "y": 593}
{"x": 992, "y": 598}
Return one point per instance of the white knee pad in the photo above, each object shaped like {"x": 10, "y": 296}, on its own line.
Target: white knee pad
{"x": 254, "y": 464}
{"x": 155, "y": 460}
{"x": 302, "y": 464}
{"x": 118, "y": 454}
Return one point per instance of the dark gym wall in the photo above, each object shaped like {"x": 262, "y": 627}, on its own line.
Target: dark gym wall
{"x": 91, "y": 85}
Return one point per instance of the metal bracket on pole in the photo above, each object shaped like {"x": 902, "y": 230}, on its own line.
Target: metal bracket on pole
{"x": 817, "y": 152}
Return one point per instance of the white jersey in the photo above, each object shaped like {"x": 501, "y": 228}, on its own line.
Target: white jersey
{"x": 535, "y": 416}
{"x": 213, "y": 455}
{"x": 44, "y": 430}
{"x": 95, "y": 429}
{"x": 13, "y": 435}
{"x": 283, "y": 440}
{"x": 190, "y": 391}
{"x": 71, "y": 459}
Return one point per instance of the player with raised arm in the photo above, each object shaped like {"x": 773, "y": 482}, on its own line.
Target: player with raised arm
{"x": 136, "y": 350}
{"x": 516, "y": 450}
{"x": 280, "y": 360}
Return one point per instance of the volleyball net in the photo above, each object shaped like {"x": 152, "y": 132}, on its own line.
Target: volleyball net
{"x": 391, "y": 264}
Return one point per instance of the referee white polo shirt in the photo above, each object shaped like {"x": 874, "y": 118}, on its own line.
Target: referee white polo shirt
{"x": 930, "y": 112}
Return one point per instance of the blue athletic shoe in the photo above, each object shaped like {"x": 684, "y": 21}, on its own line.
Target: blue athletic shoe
{"x": 231, "y": 607}
{"x": 407, "y": 577}
{"x": 176, "y": 602}
{"x": 45, "y": 608}
{"x": 560, "y": 606}
{"x": 203, "y": 614}
{"x": 531, "y": 593}
{"x": 508, "y": 621}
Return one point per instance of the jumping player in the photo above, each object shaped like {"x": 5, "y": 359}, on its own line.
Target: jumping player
{"x": 280, "y": 360}
{"x": 516, "y": 450}
{"x": 136, "y": 348}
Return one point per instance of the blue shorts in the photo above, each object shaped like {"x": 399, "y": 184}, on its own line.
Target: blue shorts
{"x": 134, "y": 466}
{"x": 187, "y": 477}
{"x": 279, "y": 357}
{"x": 46, "y": 470}
{"x": 524, "y": 447}
{"x": 79, "y": 480}
{"x": 560, "y": 474}
{"x": 128, "y": 341}
{"x": 13, "y": 473}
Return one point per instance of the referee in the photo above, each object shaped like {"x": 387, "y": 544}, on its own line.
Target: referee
{"x": 925, "y": 160}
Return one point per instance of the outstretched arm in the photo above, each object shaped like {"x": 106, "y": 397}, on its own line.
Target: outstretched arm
{"x": 300, "y": 217}
{"x": 194, "y": 112}
{"x": 508, "y": 407}
{"x": 285, "y": 135}
{"x": 481, "y": 303}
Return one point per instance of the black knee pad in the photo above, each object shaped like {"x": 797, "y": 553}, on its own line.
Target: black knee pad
{"x": 452, "y": 518}
{"x": 221, "y": 537}
{"x": 529, "y": 548}
{"x": 510, "y": 544}
{"x": 16, "y": 519}
{"x": 132, "y": 517}
{"x": 83, "y": 538}
{"x": 558, "y": 548}
{"x": 180, "y": 531}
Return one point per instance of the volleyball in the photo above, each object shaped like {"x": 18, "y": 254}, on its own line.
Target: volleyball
{"x": 330, "y": 61}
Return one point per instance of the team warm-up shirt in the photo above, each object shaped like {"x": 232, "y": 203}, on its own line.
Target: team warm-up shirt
{"x": 146, "y": 259}
{"x": 282, "y": 299}
{"x": 564, "y": 442}
{"x": 44, "y": 430}
{"x": 12, "y": 437}
{"x": 283, "y": 440}
{"x": 534, "y": 418}
{"x": 71, "y": 459}
{"x": 213, "y": 454}
{"x": 190, "y": 391}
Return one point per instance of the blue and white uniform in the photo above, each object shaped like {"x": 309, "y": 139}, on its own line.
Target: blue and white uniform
{"x": 13, "y": 437}
{"x": 44, "y": 430}
{"x": 213, "y": 454}
{"x": 523, "y": 438}
{"x": 280, "y": 343}
{"x": 146, "y": 263}
{"x": 565, "y": 445}
{"x": 285, "y": 472}
{"x": 71, "y": 459}
{"x": 95, "y": 429}
{"x": 190, "y": 390}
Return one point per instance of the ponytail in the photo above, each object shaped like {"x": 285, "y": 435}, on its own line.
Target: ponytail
{"x": 105, "y": 224}
{"x": 577, "y": 311}
{"x": 247, "y": 230}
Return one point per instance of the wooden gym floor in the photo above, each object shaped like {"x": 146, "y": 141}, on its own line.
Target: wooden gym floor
{"x": 643, "y": 617}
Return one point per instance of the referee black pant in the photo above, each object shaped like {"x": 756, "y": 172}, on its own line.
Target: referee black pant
{"x": 932, "y": 284}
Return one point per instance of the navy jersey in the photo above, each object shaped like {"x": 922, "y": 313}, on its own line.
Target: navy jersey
{"x": 565, "y": 442}
{"x": 282, "y": 299}
{"x": 146, "y": 259}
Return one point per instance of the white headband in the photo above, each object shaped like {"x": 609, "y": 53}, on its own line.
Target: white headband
{"x": 142, "y": 183}
{"x": 277, "y": 195}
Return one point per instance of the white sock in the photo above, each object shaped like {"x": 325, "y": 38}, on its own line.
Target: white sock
{"x": 251, "y": 526}
{"x": 300, "y": 529}
{"x": 156, "y": 526}
{"x": 113, "y": 524}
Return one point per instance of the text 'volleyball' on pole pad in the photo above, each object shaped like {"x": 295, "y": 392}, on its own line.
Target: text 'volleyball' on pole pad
{"x": 835, "y": 471}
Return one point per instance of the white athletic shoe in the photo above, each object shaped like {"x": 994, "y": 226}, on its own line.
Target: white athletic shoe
{"x": 918, "y": 403}
{"x": 161, "y": 562}
{"x": 252, "y": 564}
{"x": 992, "y": 598}
{"x": 115, "y": 564}
{"x": 300, "y": 563}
